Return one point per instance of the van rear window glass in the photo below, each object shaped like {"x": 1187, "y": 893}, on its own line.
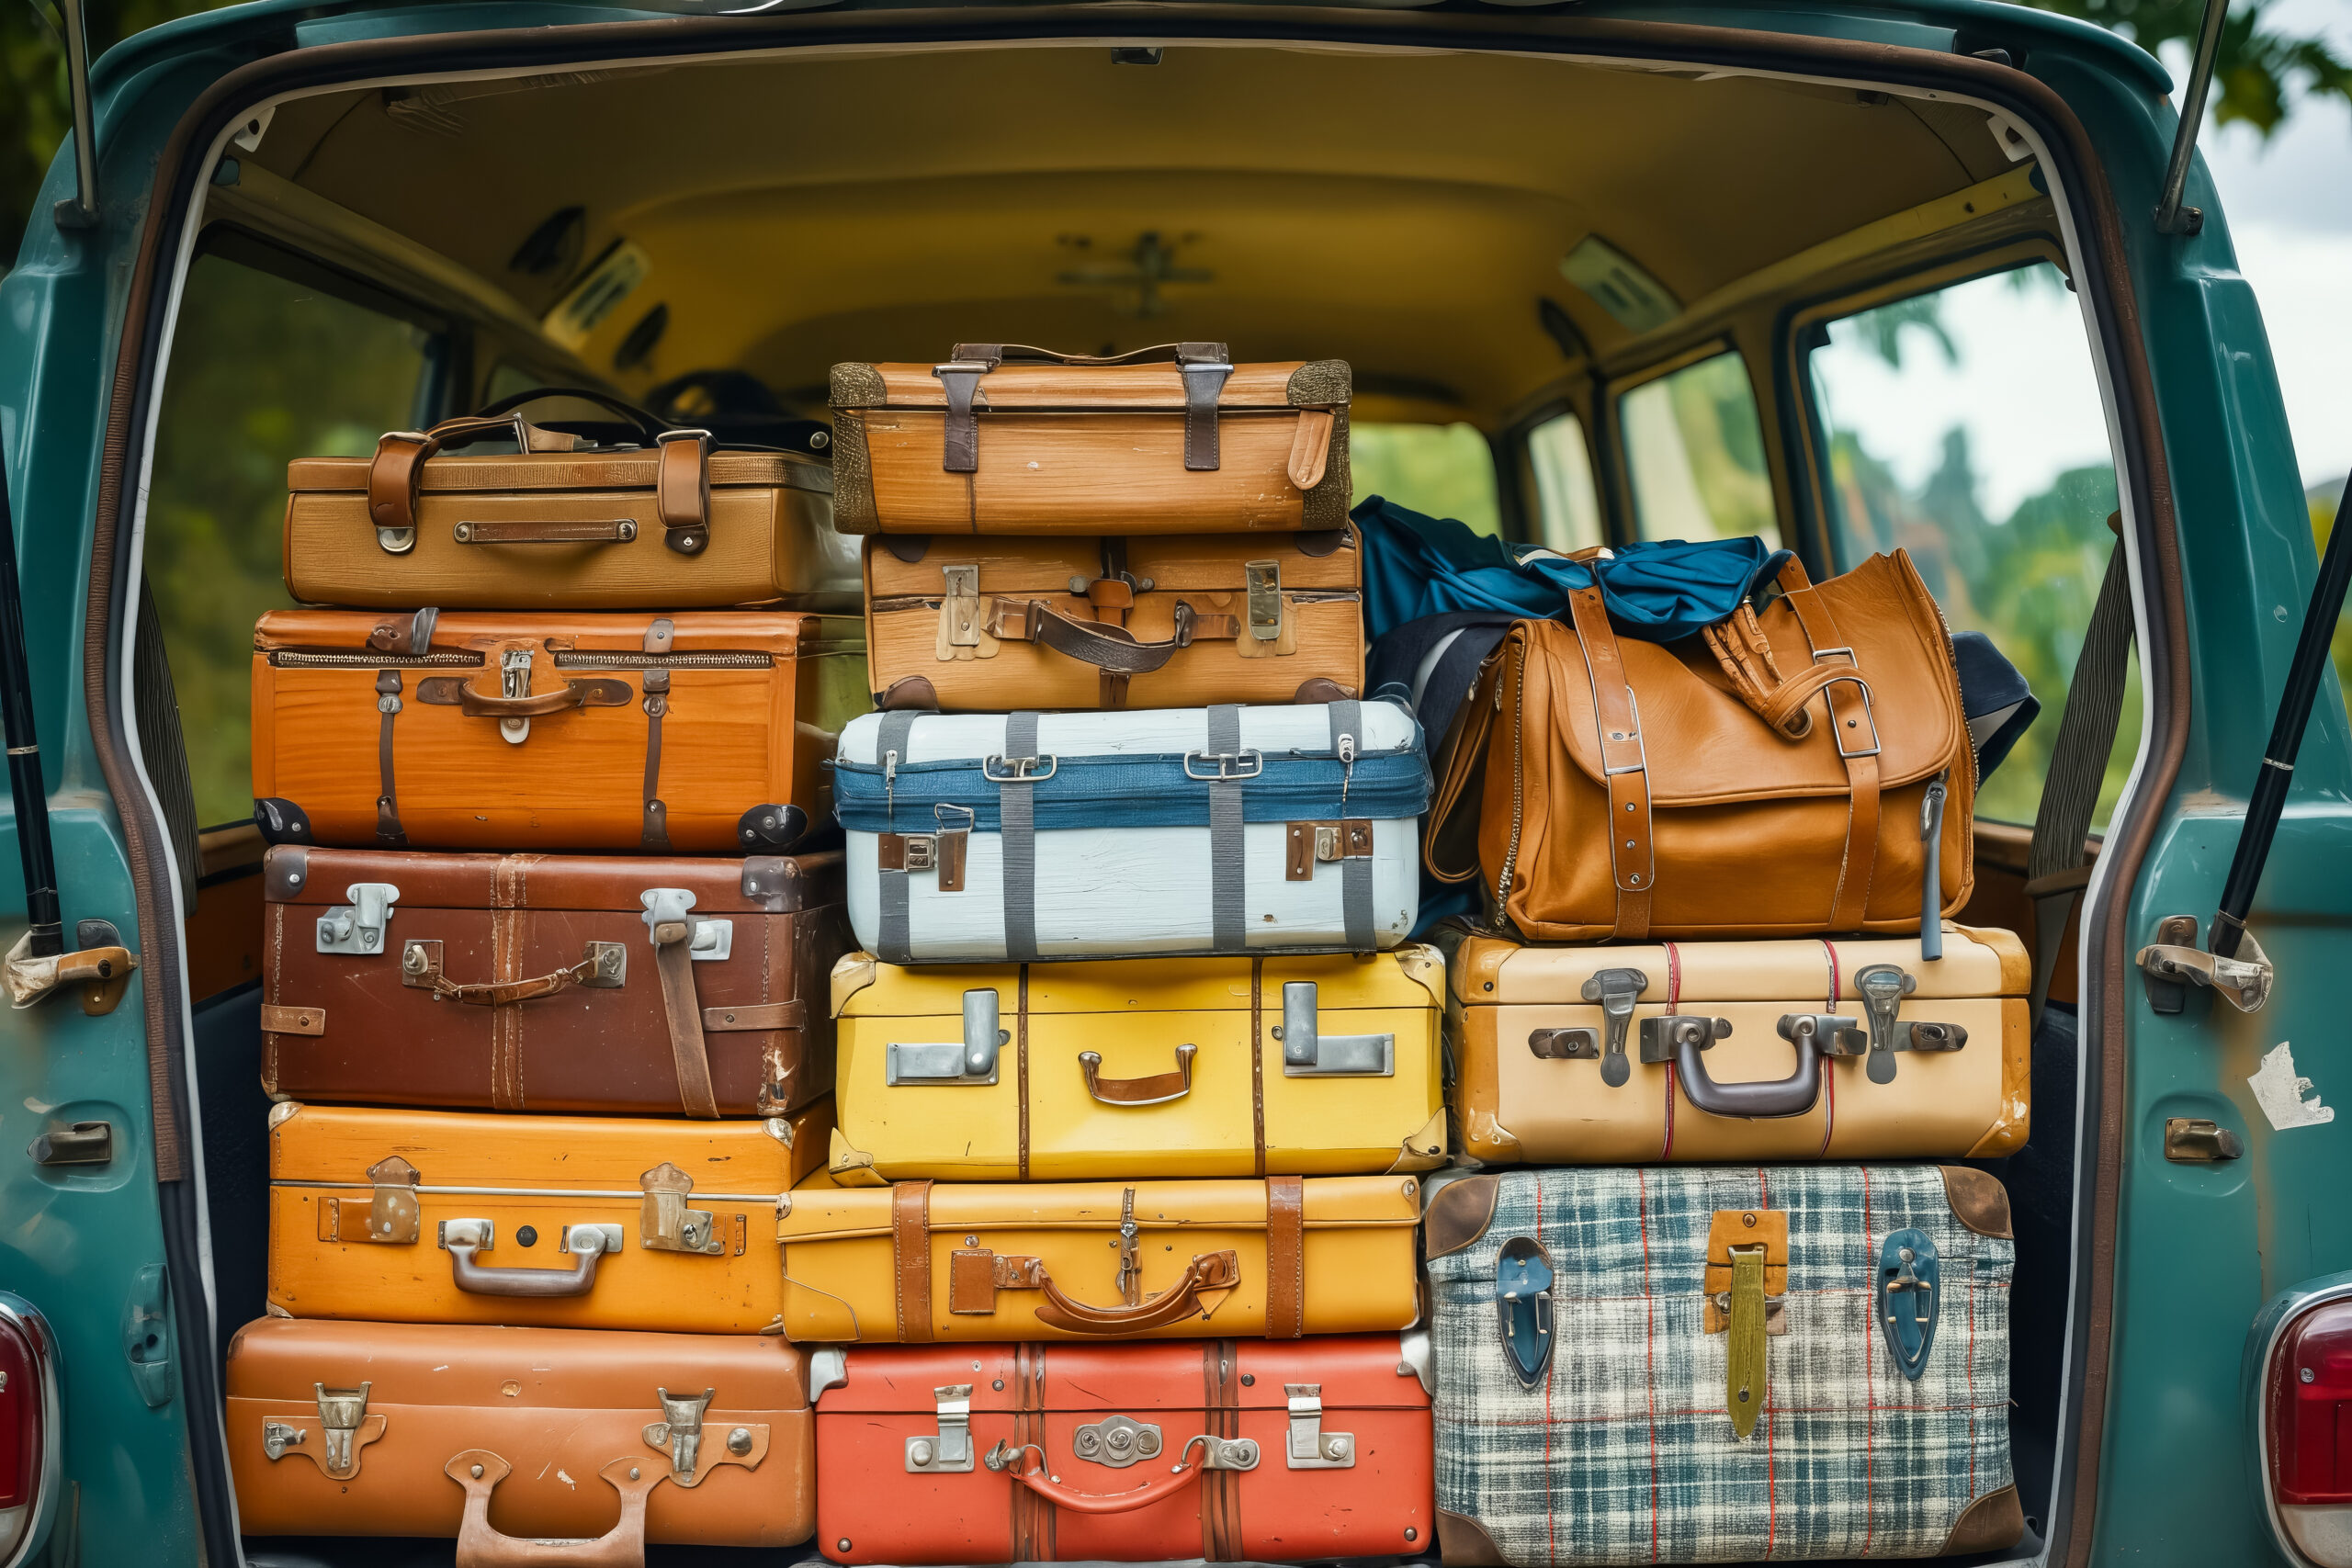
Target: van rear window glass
{"x": 1694, "y": 451}
{"x": 1445, "y": 470}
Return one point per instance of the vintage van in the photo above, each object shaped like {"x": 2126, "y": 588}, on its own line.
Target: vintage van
{"x": 1846, "y": 275}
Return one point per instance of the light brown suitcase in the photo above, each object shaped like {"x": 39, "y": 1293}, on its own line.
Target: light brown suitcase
{"x": 375, "y": 1429}
{"x": 640, "y": 984}
{"x": 673, "y": 525}
{"x": 563, "y": 1222}
{"x": 1008, "y": 439}
{"x": 1839, "y": 1049}
{"x": 983, "y": 625}
{"x": 493, "y": 731}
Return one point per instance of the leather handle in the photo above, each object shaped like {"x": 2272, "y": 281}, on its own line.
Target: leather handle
{"x": 1062, "y": 1496}
{"x": 533, "y": 1283}
{"x": 1022, "y": 353}
{"x": 478, "y": 1470}
{"x": 630, "y": 414}
{"x": 1103, "y": 645}
{"x": 541, "y": 531}
{"x": 493, "y": 993}
{"x": 397, "y": 470}
{"x": 1156, "y": 1090}
{"x": 479, "y": 703}
{"x": 1791, "y": 1096}
{"x": 1210, "y": 1271}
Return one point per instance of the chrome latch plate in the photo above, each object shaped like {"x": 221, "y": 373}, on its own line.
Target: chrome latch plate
{"x": 972, "y": 1060}
{"x": 951, "y": 1452}
{"x": 358, "y": 927}
{"x": 1310, "y": 1447}
{"x": 1117, "y": 1442}
{"x": 1310, "y": 1053}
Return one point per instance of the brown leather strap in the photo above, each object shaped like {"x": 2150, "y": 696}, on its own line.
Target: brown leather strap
{"x": 498, "y": 993}
{"x": 397, "y": 470}
{"x": 1633, "y": 857}
{"x": 1450, "y": 837}
{"x": 1207, "y": 1271}
{"x": 1285, "y": 1256}
{"x": 1854, "y": 732}
{"x": 1021, "y": 1060}
{"x": 1310, "y": 448}
{"x": 1220, "y": 1489}
{"x": 682, "y": 491}
{"x": 757, "y": 1015}
{"x": 387, "y": 803}
{"x": 656, "y": 834}
{"x": 1106, "y": 645}
{"x": 682, "y": 1013}
{"x": 910, "y": 1258}
{"x": 1032, "y": 1515}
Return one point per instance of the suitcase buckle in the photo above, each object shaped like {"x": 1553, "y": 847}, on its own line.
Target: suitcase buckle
{"x": 950, "y": 1452}
{"x": 1224, "y": 766}
{"x": 1311, "y": 844}
{"x": 1020, "y": 769}
{"x": 665, "y": 1223}
{"x": 1117, "y": 1442}
{"x": 1265, "y": 582}
{"x": 679, "y": 1433}
{"x": 1909, "y": 1271}
{"x": 971, "y": 1060}
{"x": 1310, "y": 1447}
{"x": 358, "y": 927}
{"x": 667, "y": 919}
{"x": 1616, "y": 990}
{"x": 1310, "y": 1053}
{"x": 343, "y": 1416}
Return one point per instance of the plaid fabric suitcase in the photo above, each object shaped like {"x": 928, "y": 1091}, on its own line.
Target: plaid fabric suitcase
{"x": 1596, "y": 1331}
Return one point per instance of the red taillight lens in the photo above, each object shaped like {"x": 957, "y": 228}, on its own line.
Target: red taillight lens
{"x": 2311, "y": 1409}
{"x": 20, "y": 1413}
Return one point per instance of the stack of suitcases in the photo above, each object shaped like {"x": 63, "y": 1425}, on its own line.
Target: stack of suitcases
{"x": 1075, "y": 1154}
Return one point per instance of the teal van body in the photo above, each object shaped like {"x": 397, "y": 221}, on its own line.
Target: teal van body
{"x": 2192, "y": 1252}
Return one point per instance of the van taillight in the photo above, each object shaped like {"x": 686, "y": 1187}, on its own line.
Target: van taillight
{"x": 2308, "y": 1433}
{"x": 28, "y": 1434}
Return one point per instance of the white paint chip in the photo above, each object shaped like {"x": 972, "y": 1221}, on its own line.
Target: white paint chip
{"x": 567, "y": 1480}
{"x": 2281, "y": 1093}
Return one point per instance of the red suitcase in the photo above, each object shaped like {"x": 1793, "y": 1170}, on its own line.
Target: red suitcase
{"x": 1220, "y": 1448}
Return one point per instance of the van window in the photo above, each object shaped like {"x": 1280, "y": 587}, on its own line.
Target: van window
{"x": 264, "y": 368}
{"x": 1567, "y": 507}
{"x": 1965, "y": 427}
{"x": 1445, "y": 470}
{"x": 1694, "y": 451}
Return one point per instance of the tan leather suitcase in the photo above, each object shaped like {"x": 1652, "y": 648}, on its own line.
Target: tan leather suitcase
{"x": 563, "y": 1222}
{"x": 1008, "y": 439}
{"x": 376, "y": 1429}
{"x": 648, "y": 985}
{"x": 1101, "y": 1259}
{"x": 1839, "y": 1049}
{"x": 1158, "y": 621}
{"x": 503, "y": 731}
{"x": 673, "y": 524}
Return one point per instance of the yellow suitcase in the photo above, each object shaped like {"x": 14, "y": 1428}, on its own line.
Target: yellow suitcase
{"x": 560, "y": 1221}
{"x": 1178, "y": 1067}
{"x": 1276, "y": 1259}
{"x": 1796, "y": 1050}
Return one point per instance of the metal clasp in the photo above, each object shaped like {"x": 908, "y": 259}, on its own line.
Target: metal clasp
{"x": 391, "y": 1217}
{"x": 668, "y": 918}
{"x": 1837, "y": 731}
{"x": 951, "y": 1452}
{"x": 2244, "y": 981}
{"x": 959, "y": 606}
{"x": 1265, "y": 581}
{"x": 1664, "y": 1035}
{"x": 667, "y": 1225}
{"x": 2193, "y": 1140}
{"x": 358, "y": 927}
{"x": 1018, "y": 770}
{"x": 1227, "y": 1453}
{"x": 680, "y": 1430}
{"x": 1310, "y": 1447}
{"x": 1117, "y": 1442}
{"x": 514, "y": 680}
{"x": 1882, "y": 989}
{"x": 1130, "y": 1280}
{"x": 972, "y": 1060}
{"x": 340, "y": 1410}
{"x": 1309, "y": 1052}
{"x": 1228, "y": 766}
{"x": 1616, "y": 990}
{"x": 1909, "y": 1273}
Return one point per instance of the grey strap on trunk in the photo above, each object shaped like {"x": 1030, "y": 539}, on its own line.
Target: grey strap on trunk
{"x": 1228, "y": 895}
{"x": 891, "y": 749}
{"x": 2055, "y": 874}
{"x": 1355, "y": 871}
{"x": 1017, "y": 828}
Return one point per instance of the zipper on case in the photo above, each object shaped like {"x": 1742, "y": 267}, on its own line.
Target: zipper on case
{"x": 290, "y": 658}
{"x": 1518, "y": 786}
{"x": 615, "y": 659}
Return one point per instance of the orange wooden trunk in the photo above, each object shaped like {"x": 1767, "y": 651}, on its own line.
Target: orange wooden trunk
{"x": 556, "y": 1405}
{"x": 1108, "y": 1441}
{"x": 666, "y": 730}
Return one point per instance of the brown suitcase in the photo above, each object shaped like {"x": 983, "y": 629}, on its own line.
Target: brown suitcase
{"x": 589, "y": 982}
{"x": 1006, "y": 439}
{"x": 1161, "y": 621}
{"x": 493, "y": 731}
{"x": 376, "y": 1429}
{"x": 673, "y": 523}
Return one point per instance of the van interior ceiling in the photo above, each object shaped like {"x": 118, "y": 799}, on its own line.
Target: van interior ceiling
{"x": 1486, "y": 238}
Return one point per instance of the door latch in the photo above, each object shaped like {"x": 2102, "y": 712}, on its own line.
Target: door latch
{"x": 1310, "y": 1447}
{"x": 1308, "y": 1053}
{"x": 2195, "y": 1141}
{"x": 85, "y": 1142}
{"x": 1616, "y": 990}
{"x": 2174, "y": 962}
{"x": 950, "y": 1452}
{"x": 358, "y": 927}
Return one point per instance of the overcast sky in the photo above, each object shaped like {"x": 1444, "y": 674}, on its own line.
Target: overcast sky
{"x": 2289, "y": 208}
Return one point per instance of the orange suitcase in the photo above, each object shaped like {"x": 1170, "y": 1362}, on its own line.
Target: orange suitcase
{"x": 1224, "y": 1450}
{"x": 488, "y": 730}
{"x": 376, "y": 1429}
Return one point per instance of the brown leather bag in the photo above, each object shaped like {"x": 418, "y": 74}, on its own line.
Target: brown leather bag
{"x": 1770, "y": 777}
{"x": 1008, "y": 439}
{"x": 482, "y": 731}
{"x": 425, "y": 1429}
{"x": 1161, "y": 621}
{"x": 643, "y": 985}
{"x": 673, "y": 523}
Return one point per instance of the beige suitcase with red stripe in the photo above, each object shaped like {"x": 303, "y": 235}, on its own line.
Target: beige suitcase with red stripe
{"x": 1742, "y": 1051}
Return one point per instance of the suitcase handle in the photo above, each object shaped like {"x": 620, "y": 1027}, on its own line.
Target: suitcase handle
{"x": 1013, "y": 1462}
{"x": 587, "y": 1246}
{"x": 1156, "y": 1090}
{"x": 1104, "y": 645}
{"x": 1791, "y": 1096}
{"x": 1210, "y": 1271}
{"x": 443, "y": 690}
{"x": 479, "y": 1546}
